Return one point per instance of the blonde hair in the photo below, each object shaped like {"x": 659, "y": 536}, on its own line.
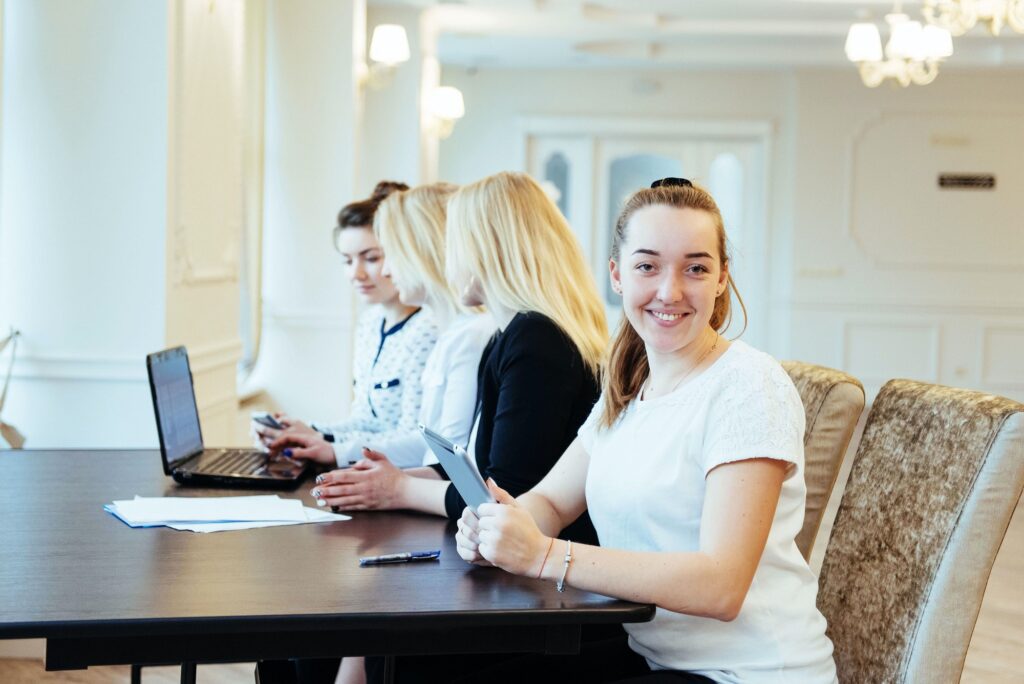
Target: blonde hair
{"x": 627, "y": 360}
{"x": 411, "y": 228}
{"x": 508, "y": 234}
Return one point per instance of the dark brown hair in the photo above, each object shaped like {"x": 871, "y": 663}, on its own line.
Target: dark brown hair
{"x": 627, "y": 360}
{"x": 360, "y": 214}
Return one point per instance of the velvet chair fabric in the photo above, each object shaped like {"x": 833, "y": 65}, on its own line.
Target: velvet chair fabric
{"x": 934, "y": 483}
{"x": 833, "y": 402}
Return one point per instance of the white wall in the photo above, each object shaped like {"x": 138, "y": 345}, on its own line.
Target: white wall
{"x": 894, "y": 277}
{"x": 939, "y": 320}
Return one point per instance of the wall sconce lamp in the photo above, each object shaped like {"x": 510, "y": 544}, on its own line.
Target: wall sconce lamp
{"x": 389, "y": 47}
{"x": 446, "y": 105}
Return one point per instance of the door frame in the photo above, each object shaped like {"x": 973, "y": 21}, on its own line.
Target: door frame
{"x": 759, "y": 131}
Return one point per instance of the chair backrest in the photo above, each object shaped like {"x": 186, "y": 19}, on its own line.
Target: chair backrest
{"x": 833, "y": 402}
{"x": 933, "y": 486}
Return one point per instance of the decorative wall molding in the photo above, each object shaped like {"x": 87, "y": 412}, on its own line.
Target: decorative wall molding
{"x": 856, "y": 139}
{"x": 186, "y": 270}
{"x": 207, "y": 357}
{"x": 1010, "y": 375}
{"x": 309, "y": 320}
{"x": 128, "y": 369}
{"x": 79, "y": 368}
{"x": 584, "y": 126}
{"x": 890, "y": 330}
{"x": 975, "y": 308}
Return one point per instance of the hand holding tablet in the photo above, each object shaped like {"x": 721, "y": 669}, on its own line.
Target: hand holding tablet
{"x": 459, "y": 467}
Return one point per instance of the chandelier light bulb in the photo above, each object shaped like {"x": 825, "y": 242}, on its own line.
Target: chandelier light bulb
{"x": 864, "y": 43}
{"x": 960, "y": 16}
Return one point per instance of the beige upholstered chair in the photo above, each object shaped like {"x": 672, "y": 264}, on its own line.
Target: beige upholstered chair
{"x": 833, "y": 402}
{"x": 933, "y": 486}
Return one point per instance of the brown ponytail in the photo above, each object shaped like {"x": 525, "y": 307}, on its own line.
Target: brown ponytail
{"x": 627, "y": 360}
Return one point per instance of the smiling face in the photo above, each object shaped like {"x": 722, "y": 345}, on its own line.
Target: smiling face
{"x": 669, "y": 271}
{"x": 364, "y": 261}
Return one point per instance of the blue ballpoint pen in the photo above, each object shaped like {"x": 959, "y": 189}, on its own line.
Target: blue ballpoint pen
{"x": 401, "y": 557}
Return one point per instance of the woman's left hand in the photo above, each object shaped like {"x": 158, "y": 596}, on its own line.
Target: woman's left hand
{"x": 508, "y": 535}
{"x": 372, "y": 483}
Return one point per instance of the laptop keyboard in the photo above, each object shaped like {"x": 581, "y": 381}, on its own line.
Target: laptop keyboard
{"x": 237, "y": 461}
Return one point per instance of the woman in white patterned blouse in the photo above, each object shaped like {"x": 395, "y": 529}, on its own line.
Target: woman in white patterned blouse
{"x": 393, "y": 341}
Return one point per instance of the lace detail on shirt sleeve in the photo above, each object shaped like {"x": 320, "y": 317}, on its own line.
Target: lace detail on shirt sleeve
{"x": 756, "y": 413}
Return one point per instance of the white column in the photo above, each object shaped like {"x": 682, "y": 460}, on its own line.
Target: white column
{"x": 311, "y": 151}
{"x": 82, "y": 215}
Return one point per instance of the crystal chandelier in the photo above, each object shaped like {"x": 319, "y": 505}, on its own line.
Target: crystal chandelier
{"x": 960, "y": 16}
{"x": 912, "y": 54}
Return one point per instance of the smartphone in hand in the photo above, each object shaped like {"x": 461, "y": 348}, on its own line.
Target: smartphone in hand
{"x": 264, "y": 418}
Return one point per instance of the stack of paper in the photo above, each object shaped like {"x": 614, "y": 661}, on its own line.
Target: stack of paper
{"x": 216, "y": 514}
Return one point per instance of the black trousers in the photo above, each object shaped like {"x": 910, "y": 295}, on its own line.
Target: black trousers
{"x": 606, "y": 659}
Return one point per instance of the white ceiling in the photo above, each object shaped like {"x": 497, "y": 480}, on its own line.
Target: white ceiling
{"x": 663, "y": 34}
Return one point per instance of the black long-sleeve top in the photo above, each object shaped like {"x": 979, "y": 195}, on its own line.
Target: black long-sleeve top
{"x": 533, "y": 393}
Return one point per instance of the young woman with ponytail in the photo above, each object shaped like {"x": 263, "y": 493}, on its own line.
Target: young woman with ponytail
{"x": 691, "y": 467}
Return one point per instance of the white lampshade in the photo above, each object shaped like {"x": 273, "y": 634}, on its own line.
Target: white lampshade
{"x": 389, "y": 44}
{"x": 938, "y": 42}
{"x": 863, "y": 43}
{"x": 446, "y": 103}
{"x": 906, "y": 40}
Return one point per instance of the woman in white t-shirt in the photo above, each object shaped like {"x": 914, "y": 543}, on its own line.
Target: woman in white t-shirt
{"x": 691, "y": 466}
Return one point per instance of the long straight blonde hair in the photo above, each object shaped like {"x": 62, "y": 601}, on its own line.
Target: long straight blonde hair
{"x": 411, "y": 228}
{"x": 508, "y": 234}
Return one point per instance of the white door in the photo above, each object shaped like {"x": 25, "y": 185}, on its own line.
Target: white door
{"x": 594, "y": 174}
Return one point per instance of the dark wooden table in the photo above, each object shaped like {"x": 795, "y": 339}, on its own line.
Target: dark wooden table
{"x": 102, "y": 593}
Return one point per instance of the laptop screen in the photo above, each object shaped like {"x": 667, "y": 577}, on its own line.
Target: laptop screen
{"x": 175, "y": 404}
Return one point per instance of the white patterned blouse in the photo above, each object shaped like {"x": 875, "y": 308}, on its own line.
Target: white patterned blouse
{"x": 387, "y": 370}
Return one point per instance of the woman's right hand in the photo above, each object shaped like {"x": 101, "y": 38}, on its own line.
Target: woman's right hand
{"x": 303, "y": 446}
{"x": 467, "y": 539}
{"x": 265, "y": 435}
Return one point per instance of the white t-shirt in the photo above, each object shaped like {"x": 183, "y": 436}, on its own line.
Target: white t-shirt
{"x": 450, "y": 378}
{"x": 645, "y": 492}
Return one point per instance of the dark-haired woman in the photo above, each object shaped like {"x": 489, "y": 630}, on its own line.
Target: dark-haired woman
{"x": 691, "y": 466}
{"x": 392, "y": 344}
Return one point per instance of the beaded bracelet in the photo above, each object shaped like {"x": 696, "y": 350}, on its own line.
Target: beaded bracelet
{"x": 565, "y": 570}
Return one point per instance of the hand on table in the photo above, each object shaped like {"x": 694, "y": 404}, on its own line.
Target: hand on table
{"x": 502, "y": 534}
{"x": 374, "y": 483}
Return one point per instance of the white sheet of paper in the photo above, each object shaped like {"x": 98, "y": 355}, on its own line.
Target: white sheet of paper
{"x": 312, "y": 515}
{"x": 143, "y": 510}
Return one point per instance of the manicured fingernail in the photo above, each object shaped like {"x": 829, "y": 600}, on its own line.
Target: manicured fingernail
{"x": 319, "y": 479}
{"x": 287, "y": 452}
{"x": 316, "y": 493}
{"x": 321, "y": 502}
{"x": 366, "y": 448}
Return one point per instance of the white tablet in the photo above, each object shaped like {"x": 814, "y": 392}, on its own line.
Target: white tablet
{"x": 459, "y": 467}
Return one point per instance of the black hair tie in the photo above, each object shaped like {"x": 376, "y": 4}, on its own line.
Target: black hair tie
{"x": 672, "y": 183}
